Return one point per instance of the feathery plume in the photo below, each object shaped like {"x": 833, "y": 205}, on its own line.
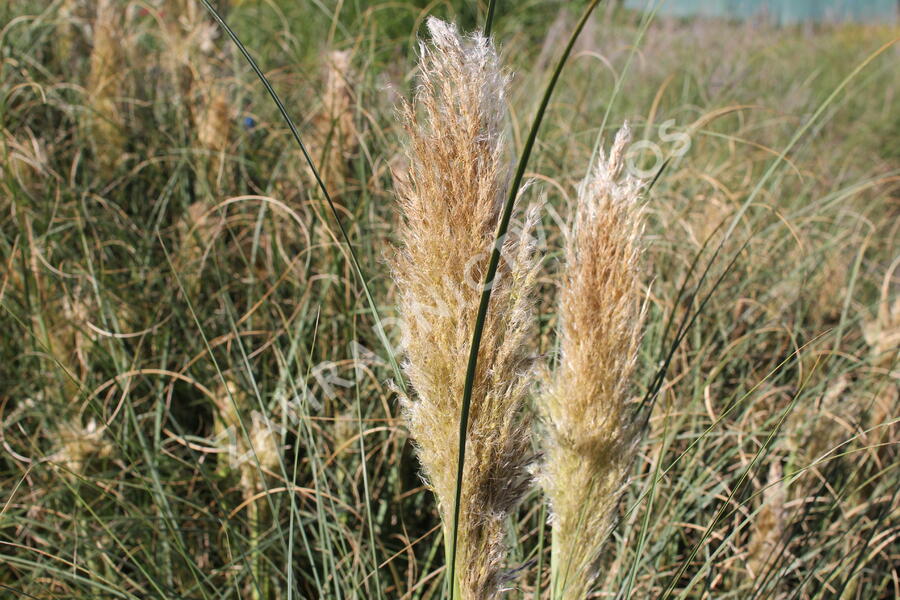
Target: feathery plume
{"x": 818, "y": 427}
{"x": 105, "y": 84}
{"x": 72, "y": 20}
{"x": 451, "y": 197}
{"x": 337, "y": 103}
{"x": 215, "y": 123}
{"x": 587, "y": 443}
{"x": 25, "y": 161}
{"x": 78, "y": 445}
{"x": 198, "y": 229}
{"x": 768, "y": 527}
{"x": 883, "y": 333}
{"x": 246, "y": 454}
{"x": 334, "y": 136}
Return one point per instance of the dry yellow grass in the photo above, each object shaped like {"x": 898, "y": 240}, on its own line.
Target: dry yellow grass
{"x": 451, "y": 198}
{"x": 587, "y": 443}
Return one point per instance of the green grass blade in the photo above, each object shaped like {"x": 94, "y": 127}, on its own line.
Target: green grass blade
{"x": 489, "y": 21}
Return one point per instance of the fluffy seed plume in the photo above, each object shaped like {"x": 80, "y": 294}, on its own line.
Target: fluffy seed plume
{"x": 883, "y": 333}
{"x": 251, "y": 449}
{"x": 215, "y": 123}
{"x": 79, "y": 445}
{"x": 451, "y": 197}
{"x": 335, "y": 138}
{"x": 586, "y": 443}
{"x": 105, "y": 84}
{"x": 768, "y": 527}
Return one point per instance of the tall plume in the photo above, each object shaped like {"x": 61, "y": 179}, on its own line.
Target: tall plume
{"x": 105, "y": 84}
{"x": 587, "y": 444}
{"x": 451, "y": 197}
{"x": 335, "y": 136}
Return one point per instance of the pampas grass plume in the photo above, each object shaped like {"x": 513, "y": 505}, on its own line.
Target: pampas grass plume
{"x": 451, "y": 196}
{"x": 769, "y": 524}
{"x": 105, "y": 84}
{"x": 215, "y": 122}
{"x": 335, "y": 136}
{"x": 587, "y": 444}
{"x": 78, "y": 445}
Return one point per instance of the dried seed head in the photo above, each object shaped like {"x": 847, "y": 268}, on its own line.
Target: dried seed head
{"x": 587, "y": 445}
{"x": 816, "y": 428}
{"x": 768, "y": 527}
{"x": 72, "y": 23}
{"x": 215, "y": 123}
{"x": 105, "y": 84}
{"x": 260, "y": 453}
{"x": 335, "y": 136}
{"x": 450, "y": 195}
{"x": 252, "y": 447}
{"x": 198, "y": 230}
{"x": 337, "y": 103}
{"x": 883, "y": 332}
{"x": 27, "y": 161}
{"x": 79, "y": 445}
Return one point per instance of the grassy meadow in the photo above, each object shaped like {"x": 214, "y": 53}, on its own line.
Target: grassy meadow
{"x": 201, "y": 355}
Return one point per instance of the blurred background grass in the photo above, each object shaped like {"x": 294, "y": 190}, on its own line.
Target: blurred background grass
{"x": 195, "y": 403}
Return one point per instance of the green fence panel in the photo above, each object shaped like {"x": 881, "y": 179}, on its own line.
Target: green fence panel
{"x": 780, "y": 11}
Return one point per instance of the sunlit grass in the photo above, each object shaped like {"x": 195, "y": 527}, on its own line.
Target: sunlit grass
{"x": 196, "y": 399}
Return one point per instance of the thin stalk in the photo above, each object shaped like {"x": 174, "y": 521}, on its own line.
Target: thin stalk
{"x": 255, "y": 556}
{"x": 365, "y": 475}
{"x": 489, "y": 281}
{"x": 540, "y": 564}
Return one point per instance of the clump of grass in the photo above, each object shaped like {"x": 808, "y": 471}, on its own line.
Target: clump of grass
{"x": 451, "y": 198}
{"x": 587, "y": 441}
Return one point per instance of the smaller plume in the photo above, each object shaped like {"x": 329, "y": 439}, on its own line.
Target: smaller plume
{"x": 768, "y": 527}
{"x": 587, "y": 444}
{"x": 105, "y": 85}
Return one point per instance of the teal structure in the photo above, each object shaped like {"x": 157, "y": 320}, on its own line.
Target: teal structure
{"x": 784, "y": 12}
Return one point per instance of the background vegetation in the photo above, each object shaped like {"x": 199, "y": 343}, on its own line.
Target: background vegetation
{"x": 194, "y": 399}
